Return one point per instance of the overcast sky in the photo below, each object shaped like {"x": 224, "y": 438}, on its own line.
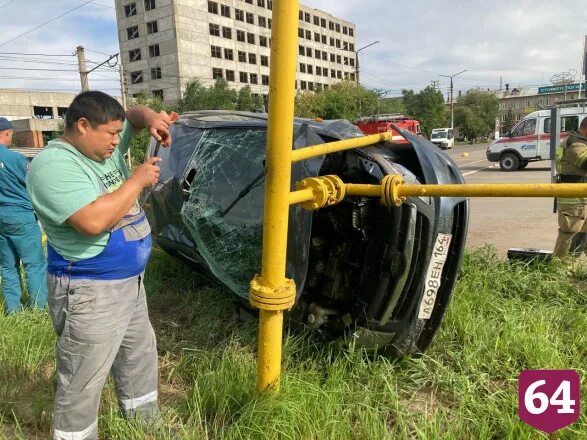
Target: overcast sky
{"x": 521, "y": 42}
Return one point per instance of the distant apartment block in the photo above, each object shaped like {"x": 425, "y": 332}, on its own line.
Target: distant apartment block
{"x": 166, "y": 43}
{"x": 520, "y": 101}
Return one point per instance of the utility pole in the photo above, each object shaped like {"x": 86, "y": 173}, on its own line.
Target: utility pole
{"x": 83, "y": 71}
{"x": 452, "y": 103}
{"x": 122, "y": 86}
{"x": 123, "y": 102}
{"x": 357, "y": 59}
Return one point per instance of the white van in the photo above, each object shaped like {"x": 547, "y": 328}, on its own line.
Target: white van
{"x": 443, "y": 138}
{"x": 529, "y": 140}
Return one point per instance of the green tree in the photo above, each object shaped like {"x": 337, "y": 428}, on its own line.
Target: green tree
{"x": 309, "y": 105}
{"x": 391, "y": 105}
{"x": 509, "y": 122}
{"x": 194, "y": 97}
{"x": 344, "y": 100}
{"x": 221, "y": 96}
{"x": 475, "y": 113}
{"x": 348, "y": 100}
{"x": 470, "y": 123}
{"x": 248, "y": 102}
{"x": 427, "y": 106}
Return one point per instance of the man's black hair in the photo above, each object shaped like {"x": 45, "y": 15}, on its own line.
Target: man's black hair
{"x": 583, "y": 125}
{"x": 97, "y": 107}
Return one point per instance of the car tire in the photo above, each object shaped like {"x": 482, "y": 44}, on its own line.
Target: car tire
{"x": 524, "y": 164}
{"x": 509, "y": 162}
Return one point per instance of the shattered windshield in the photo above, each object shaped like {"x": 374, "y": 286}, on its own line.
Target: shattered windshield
{"x": 227, "y": 231}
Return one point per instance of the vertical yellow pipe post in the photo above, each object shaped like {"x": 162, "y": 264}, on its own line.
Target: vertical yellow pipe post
{"x": 272, "y": 292}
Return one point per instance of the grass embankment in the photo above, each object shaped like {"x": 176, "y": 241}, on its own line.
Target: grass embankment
{"x": 503, "y": 318}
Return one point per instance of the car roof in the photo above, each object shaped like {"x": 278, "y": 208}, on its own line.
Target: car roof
{"x": 206, "y": 119}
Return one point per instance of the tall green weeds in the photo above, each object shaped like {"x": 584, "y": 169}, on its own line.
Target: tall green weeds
{"x": 504, "y": 317}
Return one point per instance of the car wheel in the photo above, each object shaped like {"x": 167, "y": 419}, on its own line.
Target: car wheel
{"x": 509, "y": 162}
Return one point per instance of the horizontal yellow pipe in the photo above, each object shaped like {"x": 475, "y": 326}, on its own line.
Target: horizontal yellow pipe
{"x": 478, "y": 190}
{"x": 303, "y": 195}
{"x": 357, "y": 189}
{"x": 333, "y": 147}
{"x": 393, "y": 190}
{"x": 496, "y": 190}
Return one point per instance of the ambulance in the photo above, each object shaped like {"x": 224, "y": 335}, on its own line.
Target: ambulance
{"x": 529, "y": 140}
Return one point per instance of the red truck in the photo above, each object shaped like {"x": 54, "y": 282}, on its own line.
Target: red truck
{"x": 382, "y": 123}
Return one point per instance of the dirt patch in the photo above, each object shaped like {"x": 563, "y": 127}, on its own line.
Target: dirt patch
{"x": 424, "y": 402}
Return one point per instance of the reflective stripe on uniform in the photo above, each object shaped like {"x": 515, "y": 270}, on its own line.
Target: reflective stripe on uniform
{"x": 75, "y": 435}
{"x": 139, "y": 401}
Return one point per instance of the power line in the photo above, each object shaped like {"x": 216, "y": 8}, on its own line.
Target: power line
{"x": 42, "y": 70}
{"x": 95, "y": 51}
{"x": 16, "y": 60}
{"x": 43, "y": 24}
{"x": 33, "y": 78}
{"x": 467, "y": 78}
{"x": 403, "y": 65}
{"x": 99, "y": 4}
{"x": 101, "y": 69}
{"x": 37, "y": 54}
{"x": 7, "y": 3}
{"x": 76, "y": 90}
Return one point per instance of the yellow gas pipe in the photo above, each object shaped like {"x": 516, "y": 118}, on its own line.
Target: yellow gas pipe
{"x": 271, "y": 292}
{"x": 318, "y": 192}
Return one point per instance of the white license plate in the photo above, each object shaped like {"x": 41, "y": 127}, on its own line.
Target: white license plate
{"x": 434, "y": 275}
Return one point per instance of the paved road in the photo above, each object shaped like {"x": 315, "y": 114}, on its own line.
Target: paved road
{"x": 506, "y": 222}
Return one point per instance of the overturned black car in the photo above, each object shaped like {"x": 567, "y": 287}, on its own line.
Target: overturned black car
{"x": 381, "y": 276}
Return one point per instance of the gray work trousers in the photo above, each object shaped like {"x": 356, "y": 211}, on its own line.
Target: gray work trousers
{"x": 102, "y": 326}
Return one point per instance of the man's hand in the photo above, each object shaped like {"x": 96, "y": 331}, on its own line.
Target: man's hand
{"x": 104, "y": 212}
{"x": 158, "y": 125}
{"x": 147, "y": 174}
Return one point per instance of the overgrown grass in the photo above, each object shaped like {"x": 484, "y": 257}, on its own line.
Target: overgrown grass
{"x": 503, "y": 318}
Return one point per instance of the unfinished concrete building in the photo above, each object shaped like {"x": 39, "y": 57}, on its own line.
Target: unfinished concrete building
{"x": 166, "y": 43}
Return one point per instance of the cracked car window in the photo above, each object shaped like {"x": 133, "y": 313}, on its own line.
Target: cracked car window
{"x": 226, "y": 224}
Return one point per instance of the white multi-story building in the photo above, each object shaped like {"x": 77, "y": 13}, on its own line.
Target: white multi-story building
{"x": 166, "y": 43}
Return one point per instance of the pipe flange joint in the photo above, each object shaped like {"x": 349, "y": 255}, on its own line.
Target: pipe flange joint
{"x": 274, "y": 299}
{"x": 390, "y": 186}
{"x": 327, "y": 190}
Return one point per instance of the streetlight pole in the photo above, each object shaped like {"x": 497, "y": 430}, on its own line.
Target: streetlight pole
{"x": 452, "y": 104}
{"x": 357, "y": 58}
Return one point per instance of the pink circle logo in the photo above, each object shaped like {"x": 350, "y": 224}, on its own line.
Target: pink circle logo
{"x": 549, "y": 400}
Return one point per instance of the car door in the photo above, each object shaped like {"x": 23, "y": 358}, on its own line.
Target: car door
{"x": 525, "y": 138}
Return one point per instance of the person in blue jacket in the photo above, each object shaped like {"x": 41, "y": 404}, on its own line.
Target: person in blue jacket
{"x": 20, "y": 235}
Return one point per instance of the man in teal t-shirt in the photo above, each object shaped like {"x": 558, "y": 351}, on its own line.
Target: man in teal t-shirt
{"x": 63, "y": 193}
{"x": 99, "y": 242}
